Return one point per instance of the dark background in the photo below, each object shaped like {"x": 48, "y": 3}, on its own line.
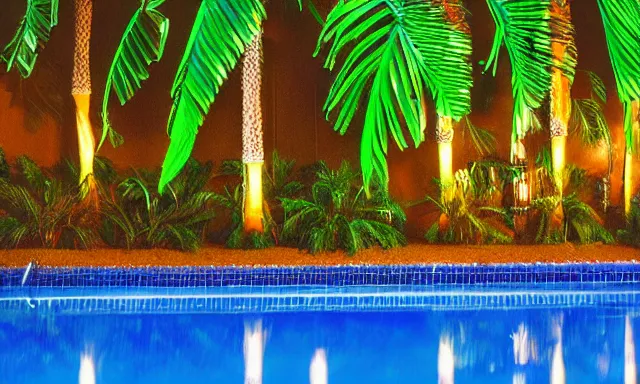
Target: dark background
{"x": 295, "y": 87}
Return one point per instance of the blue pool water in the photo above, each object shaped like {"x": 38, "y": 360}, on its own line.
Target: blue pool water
{"x": 538, "y": 331}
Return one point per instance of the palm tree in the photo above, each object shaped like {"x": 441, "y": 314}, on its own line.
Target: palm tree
{"x": 396, "y": 51}
{"x": 81, "y": 91}
{"x": 563, "y": 48}
{"x": 223, "y": 29}
{"x": 621, "y": 19}
{"x": 523, "y": 27}
{"x": 34, "y": 31}
{"x": 252, "y": 136}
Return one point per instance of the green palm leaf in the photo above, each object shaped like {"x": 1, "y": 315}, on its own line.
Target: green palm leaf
{"x": 143, "y": 42}
{"x": 222, "y": 30}
{"x": 395, "y": 50}
{"x": 34, "y": 31}
{"x": 563, "y": 31}
{"x": 621, "y": 19}
{"x": 523, "y": 27}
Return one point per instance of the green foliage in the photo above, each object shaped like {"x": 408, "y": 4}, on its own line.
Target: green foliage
{"x": 489, "y": 177}
{"x": 395, "y": 51}
{"x": 232, "y": 202}
{"x": 524, "y": 29}
{"x": 278, "y": 182}
{"x": 563, "y": 32}
{"x": 587, "y": 120}
{"x": 621, "y": 20}
{"x": 482, "y": 139}
{"x": 463, "y": 221}
{"x": 136, "y": 216}
{"x": 631, "y": 234}
{"x": 220, "y": 34}
{"x": 581, "y": 224}
{"x": 5, "y": 170}
{"x": 43, "y": 212}
{"x": 338, "y": 215}
{"x": 142, "y": 43}
{"x": 34, "y": 31}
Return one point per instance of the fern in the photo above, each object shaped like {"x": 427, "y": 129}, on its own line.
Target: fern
{"x": 338, "y": 215}
{"x": 462, "y": 221}
{"x": 136, "y": 216}
{"x": 43, "y": 212}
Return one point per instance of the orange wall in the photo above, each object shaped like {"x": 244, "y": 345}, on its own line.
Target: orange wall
{"x": 294, "y": 90}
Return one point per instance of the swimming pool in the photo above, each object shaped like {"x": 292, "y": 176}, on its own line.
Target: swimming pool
{"x": 350, "y": 324}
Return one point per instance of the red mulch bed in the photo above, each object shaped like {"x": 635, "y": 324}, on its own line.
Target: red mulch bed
{"x": 412, "y": 254}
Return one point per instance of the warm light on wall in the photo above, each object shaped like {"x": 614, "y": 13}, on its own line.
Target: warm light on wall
{"x": 253, "y": 200}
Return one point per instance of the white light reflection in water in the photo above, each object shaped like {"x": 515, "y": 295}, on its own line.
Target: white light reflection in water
{"x": 521, "y": 347}
{"x": 520, "y": 351}
{"x": 446, "y": 360}
{"x": 557, "y": 360}
{"x": 254, "y": 342}
{"x": 630, "y": 370}
{"x": 87, "y": 373}
{"x": 318, "y": 370}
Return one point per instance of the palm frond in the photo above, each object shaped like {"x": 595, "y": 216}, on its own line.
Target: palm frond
{"x": 220, "y": 34}
{"x": 563, "y": 32}
{"x": 483, "y": 140}
{"x": 142, "y": 43}
{"x": 522, "y": 26}
{"x": 621, "y": 19}
{"x": 338, "y": 216}
{"x": 395, "y": 52}
{"x": 34, "y": 31}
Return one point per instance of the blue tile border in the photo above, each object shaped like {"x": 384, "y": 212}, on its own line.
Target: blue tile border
{"x": 323, "y": 276}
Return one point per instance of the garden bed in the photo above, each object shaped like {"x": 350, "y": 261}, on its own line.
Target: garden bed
{"x": 412, "y": 254}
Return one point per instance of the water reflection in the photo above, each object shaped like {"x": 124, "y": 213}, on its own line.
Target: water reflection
{"x": 557, "y": 365}
{"x": 87, "y": 374}
{"x": 254, "y": 342}
{"x": 318, "y": 369}
{"x": 630, "y": 371}
{"x": 535, "y": 346}
{"x": 446, "y": 360}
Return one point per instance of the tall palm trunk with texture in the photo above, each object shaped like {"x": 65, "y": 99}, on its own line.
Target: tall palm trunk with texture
{"x": 252, "y": 140}
{"x": 81, "y": 91}
{"x": 562, "y": 72}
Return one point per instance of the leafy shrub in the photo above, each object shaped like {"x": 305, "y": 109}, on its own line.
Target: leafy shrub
{"x": 232, "y": 201}
{"x": 579, "y": 222}
{"x": 463, "y": 220}
{"x": 136, "y": 216}
{"x": 338, "y": 215}
{"x": 631, "y": 234}
{"x": 44, "y": 212}
{"x": 278, "y": 182}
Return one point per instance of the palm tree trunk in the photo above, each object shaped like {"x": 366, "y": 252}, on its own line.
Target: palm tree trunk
{"x": 629, "y": 187}
{"x": 81, "y": 91}
{"x": 444, "y": 138}
{"x": 560, "y": 107}
{"x": 252, "y": 136}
